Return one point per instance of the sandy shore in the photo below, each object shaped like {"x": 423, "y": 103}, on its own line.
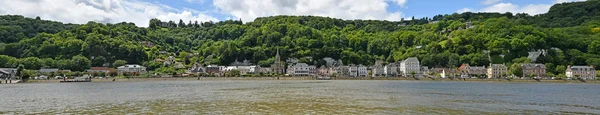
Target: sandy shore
{"x": 312, "y": 78}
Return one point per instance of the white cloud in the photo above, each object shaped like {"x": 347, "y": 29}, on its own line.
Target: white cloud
{"x": 563, "y": 1}
{"x": 105, "y": 11}
{"x": 464, "y": 10}
{"x": 399, "y": 2}
{"x": 490, "y": 2}
{"x": 195, "y": 1}
{"x": 248, "y": 10}
{"x": 531, "y": 9}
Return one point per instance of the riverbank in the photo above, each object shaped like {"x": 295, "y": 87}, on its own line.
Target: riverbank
{"x": 312, "y": 78}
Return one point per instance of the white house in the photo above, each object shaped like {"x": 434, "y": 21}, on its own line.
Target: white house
{"x": 362, "y": 71}
{"x": 302, "y": 69}
{"x": 353, "y": 71}
{"x": 584, "y": 72}
{"x": 410, "y": 65}
{"x": 391, "y": 70}
{"x": 378, "y": 69}
{"x": 132, "y": 68}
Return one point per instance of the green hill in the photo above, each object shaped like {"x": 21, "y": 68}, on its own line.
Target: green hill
{"x": 571, "y": 30}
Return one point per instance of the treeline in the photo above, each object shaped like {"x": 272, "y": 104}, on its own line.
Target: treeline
{"x": 569, "y": 33}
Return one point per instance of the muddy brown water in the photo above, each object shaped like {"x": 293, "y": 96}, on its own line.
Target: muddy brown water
{"x": 299, "y": 97}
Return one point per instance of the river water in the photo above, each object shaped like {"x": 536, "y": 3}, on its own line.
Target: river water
{"x": 299, "y": 97}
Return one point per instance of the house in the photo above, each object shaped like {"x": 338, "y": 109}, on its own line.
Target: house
{"x": 98, "y": 70}
{"x": 378, "y": 69}
{"x": 131, "y": 68}
{"x": 497, "y": 71}
{"x": 53, "y": 70}
{"x": 277, "y": 67}
{"x": 583, "y": 72}
{"x": 353, "y": 71}
{"x": 447, "y": 72}
{"x": 196, "y": 68}
{"x": 302, "y": 69}
{"x": 12, "y": 72}
{"x": 467, "y": 71}
{"x": 424, "y": 70}
{"x": 266, "y": 70}
{"x": 362, "y": 71}
{"x": 410, "y": 66}
{"x": 342, "y": 70}
{"x": 391, "y": 70}
{"x": 5, "y": 75}
{"x": 213, "y": 69}
{"x": 324, "y": 71}
{"x": 534, "y": 70}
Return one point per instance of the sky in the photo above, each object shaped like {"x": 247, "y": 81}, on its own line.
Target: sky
{"x": 141, "y": 11}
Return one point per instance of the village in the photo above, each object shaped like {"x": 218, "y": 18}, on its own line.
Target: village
{"x": 408, "y": 68}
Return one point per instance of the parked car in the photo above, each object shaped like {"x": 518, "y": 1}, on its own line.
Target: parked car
{"x": 58, "y": 77}
{"x": 41, "y": 77}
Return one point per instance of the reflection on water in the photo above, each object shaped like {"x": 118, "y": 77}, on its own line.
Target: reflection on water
{"x": 298, "y": 97}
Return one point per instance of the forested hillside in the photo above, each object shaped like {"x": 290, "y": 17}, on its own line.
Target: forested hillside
{"x": 570, "y": 32}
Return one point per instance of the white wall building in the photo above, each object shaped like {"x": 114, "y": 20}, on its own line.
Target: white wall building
{"x": 362, "y": 71}
{"x": 302, "y": 69}
{"x": 131, "y": 68}
{"x": 352, "y": 71}
{"x": 584, "y": 72}
{"x": 409, "y": 66}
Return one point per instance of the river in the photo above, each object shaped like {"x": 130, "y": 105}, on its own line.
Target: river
{"x": 299, "y": 97}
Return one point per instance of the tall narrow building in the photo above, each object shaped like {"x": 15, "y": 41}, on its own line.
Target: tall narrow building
{"x": 277, "y": 65}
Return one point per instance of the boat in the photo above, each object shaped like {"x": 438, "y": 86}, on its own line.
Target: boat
{"x": 323, "y": 78}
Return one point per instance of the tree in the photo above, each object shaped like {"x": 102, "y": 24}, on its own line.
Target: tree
{"x": 118, "y": 63}
{"x": 80, "y": 63}
{"x": 560, "y": 69}
{"x": 181, "y": 24}
{"x": 412, "y": 73}
{"x": 516, "y": 69}
{"x": 20, "y": 71}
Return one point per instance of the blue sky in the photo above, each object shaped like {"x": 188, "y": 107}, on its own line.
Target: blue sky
{"x": 417, "y": 8}
{"x": 140, "y": 11}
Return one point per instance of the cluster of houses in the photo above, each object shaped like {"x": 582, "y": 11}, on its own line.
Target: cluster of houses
{"x": 409, "y": 67}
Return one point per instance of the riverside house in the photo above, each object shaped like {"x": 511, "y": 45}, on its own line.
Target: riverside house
{"x": 378, "y": 69}
{"x": 302, "y": 69}
{"x": 471, "y": 71}
{"x": 98, "y": 70}
{"x": 131, "y": 68}
{"x": 497, "y": 71}
{"x": 583, "y": 72}
{"x": 409, "y": 66}
{"x": 534, "y": 70}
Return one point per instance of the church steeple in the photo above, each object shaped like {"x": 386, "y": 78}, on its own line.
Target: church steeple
{"x": 277, "y": 58}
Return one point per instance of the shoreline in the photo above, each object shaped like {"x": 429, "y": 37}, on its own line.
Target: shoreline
{"x": 313, "y": 78}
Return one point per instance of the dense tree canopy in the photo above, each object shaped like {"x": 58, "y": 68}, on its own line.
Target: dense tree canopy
{"x": 570, "y": 32}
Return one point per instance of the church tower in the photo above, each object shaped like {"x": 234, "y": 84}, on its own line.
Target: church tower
{"x": 277, "y": 66}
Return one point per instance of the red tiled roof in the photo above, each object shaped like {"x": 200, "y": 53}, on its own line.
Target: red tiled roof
{"x": 99, "y": 68}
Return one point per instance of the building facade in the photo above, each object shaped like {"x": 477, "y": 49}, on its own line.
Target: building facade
{"x": 584, "y": 72}
{"x": 353, "y": 71}
{"x": 497, "y": 71}
{"x": 378, "y": 69}
{"x": 131, "y": 68}
{"x": 471, "y": 71}
{"x": 302, "y": 69}
{"x": 391, "y": 70}
{"x": 533, "y": 70}
{"x": 410, "y": 66}
{"x": 362, "y": 71}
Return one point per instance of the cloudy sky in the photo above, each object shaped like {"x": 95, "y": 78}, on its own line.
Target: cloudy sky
{"x": 141, "y": 11}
